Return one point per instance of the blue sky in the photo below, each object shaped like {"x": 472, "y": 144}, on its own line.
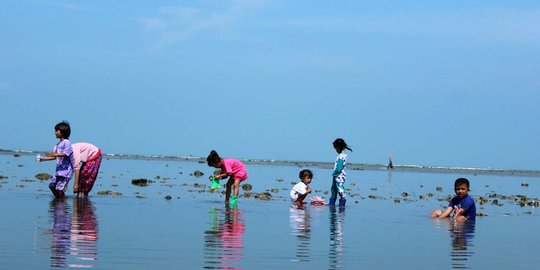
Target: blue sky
{"x": 432, "y": 82}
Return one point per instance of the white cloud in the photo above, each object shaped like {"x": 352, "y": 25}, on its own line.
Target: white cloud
{"x": 174, "y": 24}
{"x": 153, "y": 24}
{"x": 185, "y": 13}
{"x": 496, "y": 25}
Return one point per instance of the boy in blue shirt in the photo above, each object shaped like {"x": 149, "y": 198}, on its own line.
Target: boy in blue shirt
{"x": 462, "y": 204}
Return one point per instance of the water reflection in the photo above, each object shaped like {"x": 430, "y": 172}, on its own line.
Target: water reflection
{"x": 223, "y": 243}
{"x": 461, "y": 235}
{"x": 84, "y": 233}
{"x": 74, "y": 235}
{"x": 59, "y": 211}
{"x": 300, "y": 224}
{"x": 337, "y": 218}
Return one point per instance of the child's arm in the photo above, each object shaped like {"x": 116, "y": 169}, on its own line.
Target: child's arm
{"x": 46, "y": 159}
{"x": 55, "y": 155}
{"x": 446, "y": 212}
{"x": 222, "y": 175}
{"x": 77, "y": 173}
{"x": 52, "y": 156}
{"x": 459, "y": 212}
{"x": 339, "y": 167}
{"x": 466, "y": 204}
{"x": 301, "y": 190}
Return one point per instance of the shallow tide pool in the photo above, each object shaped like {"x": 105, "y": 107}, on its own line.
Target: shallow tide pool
{"x": 384, "y": 225}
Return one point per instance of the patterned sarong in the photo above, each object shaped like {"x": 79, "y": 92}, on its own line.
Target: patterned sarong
{"x": 89, "y": 172}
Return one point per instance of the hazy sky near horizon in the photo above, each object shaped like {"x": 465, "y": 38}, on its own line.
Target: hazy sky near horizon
{"x": 452, "y": 83}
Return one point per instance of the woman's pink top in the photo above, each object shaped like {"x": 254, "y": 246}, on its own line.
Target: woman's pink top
{"x": 82, "y": 152}
{"x": 234, "y": 167}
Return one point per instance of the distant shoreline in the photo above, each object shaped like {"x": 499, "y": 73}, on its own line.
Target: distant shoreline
{"x": 318, "y": 164}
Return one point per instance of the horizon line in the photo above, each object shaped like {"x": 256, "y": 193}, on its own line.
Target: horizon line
{"x": 320, "y": 164}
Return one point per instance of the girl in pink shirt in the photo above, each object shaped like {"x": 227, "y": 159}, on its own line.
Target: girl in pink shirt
{"x": 86, "y": 162}
{"x": 233, "y": 168}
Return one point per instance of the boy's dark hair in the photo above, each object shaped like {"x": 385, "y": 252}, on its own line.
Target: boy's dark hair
{"x": 64, "y": 129}
{"x": 341, "y": 145}
{"x": 213, "y": 159}
{"x": 305, "y": 173}
{"x": 461, "y": 181}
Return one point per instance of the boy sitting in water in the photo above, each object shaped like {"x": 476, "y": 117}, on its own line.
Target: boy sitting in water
{"x": 301, "y": 190}
{"x": 462, "y": 204}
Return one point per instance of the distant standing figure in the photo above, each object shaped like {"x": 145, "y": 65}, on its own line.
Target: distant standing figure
{"x": 62, "y": 153}
{"x": 300, "y": 191}
{"x": 390, "y": 164}
{"x": 86, "y": 162}
{"x": 340, "y": 173}
{"x": 462, "y": 204}
{"x": 232, "y": 168}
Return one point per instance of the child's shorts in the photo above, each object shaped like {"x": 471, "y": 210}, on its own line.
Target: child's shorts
{"x": 294, "y": 196}
{"x": 240, "y": 177}
{"x": 59, "y": 183}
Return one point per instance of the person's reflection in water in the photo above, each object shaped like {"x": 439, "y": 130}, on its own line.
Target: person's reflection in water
{"x": 59, "y": 211}
{"x": 84, "y": 233}
{"x": 462, "y": 234}
{"x": 337, "y": 218}
{"x": 223, "y": 243}
{"x": 300, "y": 224}
{"x": 74, "y": 235}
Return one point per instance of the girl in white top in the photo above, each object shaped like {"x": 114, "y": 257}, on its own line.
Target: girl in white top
{"x": 301, "y": 190}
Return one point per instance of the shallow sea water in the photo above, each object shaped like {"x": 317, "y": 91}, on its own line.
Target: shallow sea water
{"x": 140, "y": 229}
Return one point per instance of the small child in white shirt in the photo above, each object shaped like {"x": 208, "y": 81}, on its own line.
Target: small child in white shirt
{"x": 301, "y": 190}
